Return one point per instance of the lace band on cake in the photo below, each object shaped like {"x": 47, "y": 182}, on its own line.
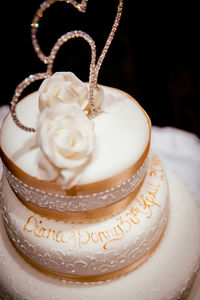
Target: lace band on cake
{"x": 95, "y": 278}
{"x": 79, "y": 208}
{"x": 73, "y": 271}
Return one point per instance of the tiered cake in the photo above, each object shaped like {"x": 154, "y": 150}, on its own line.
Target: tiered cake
{"x": 85, "y": 200}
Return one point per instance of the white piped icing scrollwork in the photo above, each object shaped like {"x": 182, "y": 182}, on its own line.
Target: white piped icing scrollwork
{"x": 69, "y": 264}
{"x": 62, "y": 203}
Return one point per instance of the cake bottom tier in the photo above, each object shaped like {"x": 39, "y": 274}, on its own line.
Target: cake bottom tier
{"x": 168, "y": 273}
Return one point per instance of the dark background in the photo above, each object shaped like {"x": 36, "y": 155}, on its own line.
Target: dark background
{"x": 154, "y": 55}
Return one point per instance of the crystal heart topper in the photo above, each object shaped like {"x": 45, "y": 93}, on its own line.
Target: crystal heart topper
{"x": 49, "y": 60}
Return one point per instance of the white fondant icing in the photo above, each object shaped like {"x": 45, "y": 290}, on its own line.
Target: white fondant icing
{"x": 122, "y": 134}
{"x": 93, "y": 248}
{"x": 167, "y": 274}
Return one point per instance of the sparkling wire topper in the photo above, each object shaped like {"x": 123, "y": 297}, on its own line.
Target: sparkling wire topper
{"x": 49, "y": 60}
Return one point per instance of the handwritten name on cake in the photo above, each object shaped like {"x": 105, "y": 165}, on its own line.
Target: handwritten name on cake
{"x": 143, "y": 206}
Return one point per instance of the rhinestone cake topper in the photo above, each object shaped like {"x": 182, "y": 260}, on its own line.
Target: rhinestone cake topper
{"x": 49, "y": 60}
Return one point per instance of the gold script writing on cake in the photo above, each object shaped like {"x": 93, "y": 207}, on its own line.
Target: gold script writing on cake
{"x": 143, "y": 206}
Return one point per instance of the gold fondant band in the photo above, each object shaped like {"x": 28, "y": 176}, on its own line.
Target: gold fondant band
{"x": 94, "y": 278}
{"x": 83, "y": 216}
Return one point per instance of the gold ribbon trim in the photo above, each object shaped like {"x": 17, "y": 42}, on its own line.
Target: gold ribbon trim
{"x": 86, "y": 189}
{"x": 83, "y": 216}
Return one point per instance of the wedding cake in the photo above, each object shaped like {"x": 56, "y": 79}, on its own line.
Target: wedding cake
{"x": 88, "y": 209}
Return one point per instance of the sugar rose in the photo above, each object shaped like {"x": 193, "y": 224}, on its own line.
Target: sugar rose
{"x": 66, "y": 138}
{"x": 63, "y": 87}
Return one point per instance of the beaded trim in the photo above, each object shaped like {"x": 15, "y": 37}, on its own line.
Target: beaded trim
{"x": 49, "y": 60}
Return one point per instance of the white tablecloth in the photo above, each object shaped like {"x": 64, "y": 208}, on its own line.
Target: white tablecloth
{"x": 178, "y": 149}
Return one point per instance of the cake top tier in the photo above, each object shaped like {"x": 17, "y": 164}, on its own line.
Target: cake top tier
{"x": 121, "y": 135}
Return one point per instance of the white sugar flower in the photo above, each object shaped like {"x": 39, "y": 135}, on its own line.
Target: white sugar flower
{"x": 63, "y": 87}
{"x": 66, "y": 138}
